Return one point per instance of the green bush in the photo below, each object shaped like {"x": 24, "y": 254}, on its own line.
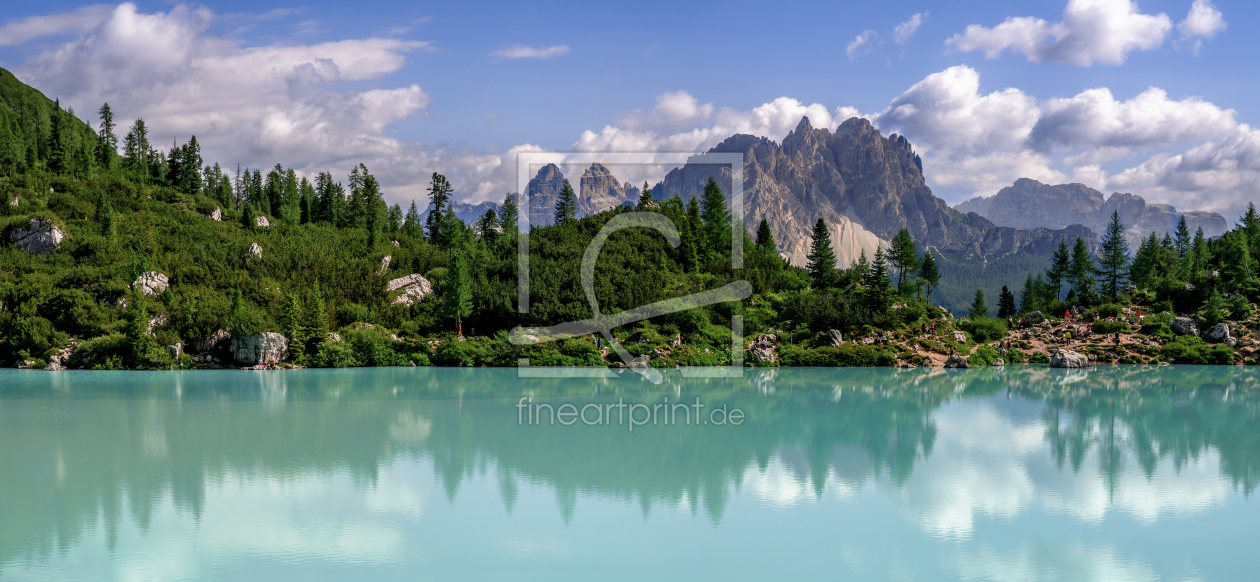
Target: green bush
{"x": 1107, "y": 310}
{"x": 984, "y": 356}
{"x": 333, "y": 354}
{"x": 1191, "y": 350}
{"x": 985, "y": 329}
{"x": 1110, "y": 327}
{"x": 1039, "y": 358}
{"x": 847, "y": 355}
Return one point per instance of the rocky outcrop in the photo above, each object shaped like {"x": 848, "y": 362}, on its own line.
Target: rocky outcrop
{"x": 1184, "y": 326}
{"x": 151, "y": 283}
{"x": 41, "y": 237}
{"x": 384, "y": 265}
{"x": 266, "y": 346}
{"x": 960, "y": 337}
{"x": 544, "y": 190}
{"x": 834, "y": 339}
{"x": 1030, "y": 204}
{"x": 261, "y": 221}
{"x": 956, "y": 361}
{"x": 1069, "y": 359}
{"x": 599, "y": 191}
{"x": 209, "y": 342}
{"x": 60, "y": 359}
{"x": 255, "y": 251}
{"x": 414, "y": 288}
{"x": 1219, "y": 332}
{"x": 216, "y": 215}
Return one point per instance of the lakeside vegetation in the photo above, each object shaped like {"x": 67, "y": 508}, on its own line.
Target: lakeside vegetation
{"x": 318, "y": 272}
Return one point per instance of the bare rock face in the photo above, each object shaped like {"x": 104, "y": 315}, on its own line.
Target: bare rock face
{"x": 261, "y": 221}
{"x": 599, "y": 191}
{"x": 217, "y": 215}
{"x": 1068, "y": 359}
{"x": 855, "y": 173}
{"x": 209, "y": 342}
{"x": 151, "y": 283}
{"x": 1030, "y": 204}
{"x": 42, "y": 237}
{"x": 957, "y": 361}
{"x": 57, "y": 362}
{"x": 1219, "y": 332}
{"x": 632, "y": 193}
{"x": 255, "y": 251}
{"x": 834, "y": 339}
{"x": 544, "y": 190}
{"x": 384, "y": 264}
{"x": 1184, "y": 326}
{"x": 267, "y": 346}
{"x": 414, "y": 288}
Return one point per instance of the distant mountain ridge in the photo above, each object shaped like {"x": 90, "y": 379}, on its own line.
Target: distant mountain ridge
{"x": 1029, "y": 204}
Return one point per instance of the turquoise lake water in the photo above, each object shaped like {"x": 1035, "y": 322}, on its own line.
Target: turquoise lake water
{"x": 1121, "y": 473}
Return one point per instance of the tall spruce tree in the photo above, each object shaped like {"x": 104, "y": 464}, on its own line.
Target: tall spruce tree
{"x": 717, "y": 219}
{"x": 1027, "y": 296}
{"x": 1182, "y": 240}
{"x": 929, "y": 272}
{"x": 439, "y": 193}
{"x": 765, "y": 238}
{"x": 1006, "y": 303}
{"x": 566, "y": 205}
{"x": 645, "y": 195}
{"x": 1081, "y": 271}
{"x": 457, "y": 298}
{"x": 1114, "y": 259}
{"x": 1060, "y": 267}
{"x": 978, "y": 307}
{"x": 509, "y": 219}
{"x": 411, "y": 223}
{"x": 903, "y": 255}
{"x": 107, "y": 142}
{"x": 822, "y": 259}
{"x": 878, "y": 292}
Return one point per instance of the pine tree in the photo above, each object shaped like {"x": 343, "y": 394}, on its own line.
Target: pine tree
{"x": 458, "y": 292}
{"x": 1081, "y": 270}
{"x": 978, "y": 307}
{"x": 929, "y": 272}
{"x": 1198, "y": 249}
{"x": 1027, "y": 296}
{"x": 645, "y": 195}
{"x": 488, "y": 226}
{"x": 316, "y": 319}
{"x": 1250, "y": 226}
{"x": 1235, "y": 258}
{"x": 136, "y": 151}
{"x": 878, "y": 292}
{"x": 1114, "y": 259}
{"x": 717, "y": 219}
{"x": 1006, "y": 303}
{"x": 1060, "y": 267}
{"x": 1183, "y": 238}
{"x": 107, "y": 144}
{"x": 439, "y": 193}
{"x": 411, "y": 223}
{"x": 903, "y": 256}
{"x": 765, "y": 238}
{"x": 1145, "y": 261}
{"x": 822, "y": 259}
{"x": 566, "y": 205}
{"x": 509, "y": 219}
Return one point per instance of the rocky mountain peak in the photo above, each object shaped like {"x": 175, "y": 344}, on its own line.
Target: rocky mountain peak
{"x": 544, "y": 190}
{"x": 600, "y": 191}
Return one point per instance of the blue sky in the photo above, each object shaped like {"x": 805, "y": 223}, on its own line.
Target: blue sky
{"x": 413, "y": 87}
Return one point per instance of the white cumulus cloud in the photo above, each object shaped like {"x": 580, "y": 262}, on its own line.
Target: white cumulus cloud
{"x": 1203, "y": 22}
{"x": 521, "y": 51}
{"x": 1102, "y": 31}
{"x": 862, "y": 45}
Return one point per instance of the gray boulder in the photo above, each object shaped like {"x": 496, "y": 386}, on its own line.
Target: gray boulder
{"x": 385, "y": 264}
{"x": 834, "y": 338}
{"x": 261, "y": 221}
{"x": 998, "y": 363}
{"x": 1219, "y": 332}
{"x": 209, "y": 342}
{"x": 255, "y": 251}
{"x": 1069, "y": 359}
{"x": 151, "y": 283}
{"x": 334, "y": 336}
{"x": 175, "y": 350}
{"x": 267, "y": 346}
{"x": 1036, "y": 317}
{"x": 42, "y": 237}
{"x": 1184, "y": 326}
{"x": 217, "y": 215}
{"x": 960, "y": 337}
{"x": 414, "y": 289}
{"x": 957, "y": 361}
